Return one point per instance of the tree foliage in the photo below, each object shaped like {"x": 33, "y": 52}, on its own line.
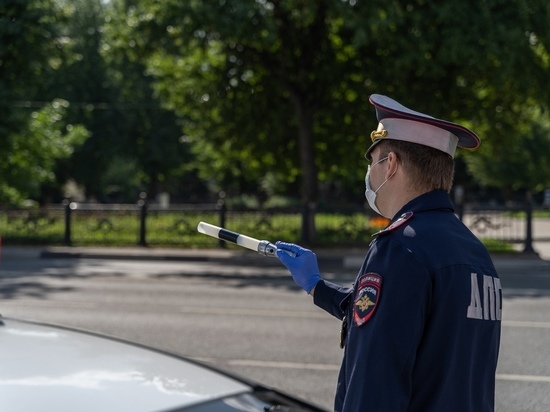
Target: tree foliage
{"x": 152, "y": 134}
{"x": 35, "y": 151}
{"x": 31, "y": 50}
{"x": 519, "y": 162}
{"x": 269, "y": 96}
{"x": 280, "y": 87}
{"x": 134, "y": 143}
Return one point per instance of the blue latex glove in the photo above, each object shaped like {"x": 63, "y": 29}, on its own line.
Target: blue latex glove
{"x": 303, "y": 267}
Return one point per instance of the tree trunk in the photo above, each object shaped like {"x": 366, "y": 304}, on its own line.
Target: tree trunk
{"x": 304, "y": 115}
{"x": 528, "y": 246}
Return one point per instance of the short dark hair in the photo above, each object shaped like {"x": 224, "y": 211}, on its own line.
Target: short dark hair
{"x": 427, "y": 168}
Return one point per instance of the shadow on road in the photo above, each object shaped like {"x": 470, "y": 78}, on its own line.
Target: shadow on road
{"x": 36, "y": 290}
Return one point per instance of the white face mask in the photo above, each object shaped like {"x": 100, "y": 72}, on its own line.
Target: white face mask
{"x": 370, "y": 194}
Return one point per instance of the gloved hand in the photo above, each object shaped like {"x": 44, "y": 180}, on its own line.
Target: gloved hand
{"x": 303, "y": 267}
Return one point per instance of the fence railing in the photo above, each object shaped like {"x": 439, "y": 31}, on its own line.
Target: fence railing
{"x": 142, "y": 224}
{"x": 509, "y": 224}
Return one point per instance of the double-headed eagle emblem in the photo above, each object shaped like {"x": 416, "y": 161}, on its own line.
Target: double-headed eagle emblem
{"x": 364, "y": 303}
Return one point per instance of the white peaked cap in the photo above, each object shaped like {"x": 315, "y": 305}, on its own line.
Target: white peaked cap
{"x": 397, "y": 122}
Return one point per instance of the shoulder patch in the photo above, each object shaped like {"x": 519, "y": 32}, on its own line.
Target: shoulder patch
{"x": 367, "y": 297}
{"x": 402, "y": 219}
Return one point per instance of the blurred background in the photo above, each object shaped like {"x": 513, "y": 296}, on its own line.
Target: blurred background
{"x": 125, "y": 123}
{"x": 183, "y": 111}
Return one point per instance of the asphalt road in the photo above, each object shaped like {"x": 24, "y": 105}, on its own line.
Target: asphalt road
{"x": 253, "y": 320}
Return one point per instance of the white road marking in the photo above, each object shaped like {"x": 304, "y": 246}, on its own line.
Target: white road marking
{"x": 331, "y": 368}
{"x": 525, "y": 324}
{"x": 522, "y": 378}
{"x": 283, "y": 365}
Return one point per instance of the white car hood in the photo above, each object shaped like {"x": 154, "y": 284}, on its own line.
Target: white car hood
{"x": 55, "y": 369}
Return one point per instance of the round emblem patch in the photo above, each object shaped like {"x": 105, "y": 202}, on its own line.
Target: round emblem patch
{"x": 367, "y": 296}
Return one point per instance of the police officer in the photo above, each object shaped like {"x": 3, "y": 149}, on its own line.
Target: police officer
{"x": 421, "y": 324}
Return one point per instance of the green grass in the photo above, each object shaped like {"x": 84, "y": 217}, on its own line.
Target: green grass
{"x": 522, "y": 215}
{"x": 498, "y": 246}
{"x": 30, "y": 228}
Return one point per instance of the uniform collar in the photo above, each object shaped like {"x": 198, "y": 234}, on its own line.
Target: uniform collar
{"x": 436, "y": 199}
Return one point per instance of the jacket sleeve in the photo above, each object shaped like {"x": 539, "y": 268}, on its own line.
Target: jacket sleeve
{"x": 332, "y": 298}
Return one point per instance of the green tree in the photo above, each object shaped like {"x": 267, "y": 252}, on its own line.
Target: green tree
{"x": 34, "y": 151}
{"x": 31, "y": 50}
{"x": 483, "y": 64}
{"x": 252, "y": 82}
{"x": 523, "y": 159}
{"x": 280, "y": 88}
{"x": 83, "y": 81}
{"x": 153, "y": 133}
{"x": 134, "y": 144}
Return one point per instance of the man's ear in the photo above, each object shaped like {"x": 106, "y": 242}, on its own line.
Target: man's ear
{"x": 392, "y": 161}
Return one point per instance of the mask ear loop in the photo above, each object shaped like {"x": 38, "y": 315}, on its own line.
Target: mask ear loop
{"x": 385, "y": 181}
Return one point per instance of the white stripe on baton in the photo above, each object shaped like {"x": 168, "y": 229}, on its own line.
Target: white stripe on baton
{"x": 263, "y": 247}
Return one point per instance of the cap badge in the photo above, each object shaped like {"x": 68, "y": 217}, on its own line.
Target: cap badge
{"x": 378, "y": 134}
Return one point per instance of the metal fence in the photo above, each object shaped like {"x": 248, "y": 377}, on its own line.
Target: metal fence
{"x": 142, "y": 224}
